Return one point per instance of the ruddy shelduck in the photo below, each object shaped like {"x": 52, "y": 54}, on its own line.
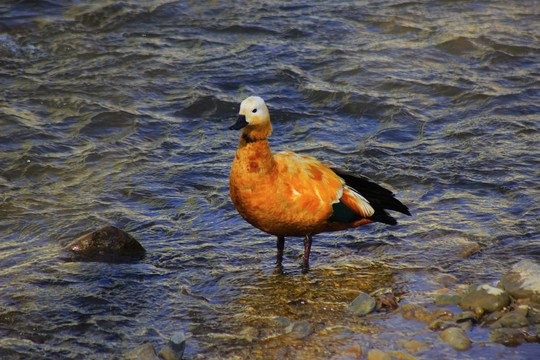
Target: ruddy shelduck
{"x": 287, "y": 194}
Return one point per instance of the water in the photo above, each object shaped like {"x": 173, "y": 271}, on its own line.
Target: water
{"x": 115, "y": 113}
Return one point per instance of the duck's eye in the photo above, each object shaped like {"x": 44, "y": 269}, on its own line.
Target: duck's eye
{"x": 254, "y": 110}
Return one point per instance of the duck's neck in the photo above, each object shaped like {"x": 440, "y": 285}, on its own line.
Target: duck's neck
{"x": 255, "y": 153}
{"x": 249, "y": 140}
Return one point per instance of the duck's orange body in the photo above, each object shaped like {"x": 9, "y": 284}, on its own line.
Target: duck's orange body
{"x": 287, "y": 194}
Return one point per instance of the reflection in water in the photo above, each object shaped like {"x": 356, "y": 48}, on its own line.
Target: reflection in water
{"x": 113, "y": 113}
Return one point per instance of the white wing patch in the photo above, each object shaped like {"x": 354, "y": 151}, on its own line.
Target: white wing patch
{"x": 363, "y": 205}
{"x": 339, "y": 195}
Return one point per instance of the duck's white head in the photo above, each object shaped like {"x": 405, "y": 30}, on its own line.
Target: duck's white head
{"x": 253, "y": 119}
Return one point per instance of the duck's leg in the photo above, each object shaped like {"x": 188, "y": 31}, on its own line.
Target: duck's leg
{"x": 307, "y": 248}
{"x": 280, "y": 245}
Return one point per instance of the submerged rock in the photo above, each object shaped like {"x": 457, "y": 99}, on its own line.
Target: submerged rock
{"x": 107, "y": 244}
{"x": 363, "y": 304}
{"x": 522, "y": 281}
{"x": 456, "y": 338}
{"x": 174, "y": 349}
{"x": 485, "y": 297}
{"x": 299, "y": 329}
{"x": 413, "y": 345}
{"x": 447, "y": 299}
{"x": 282, "y": 321}
{"x": 416, "y": 312}
{"x": 508, "y": 337}
{"x": 142, "y": 352}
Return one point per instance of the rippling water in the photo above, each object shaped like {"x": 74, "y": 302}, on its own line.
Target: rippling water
{"x": 115, "y": 113}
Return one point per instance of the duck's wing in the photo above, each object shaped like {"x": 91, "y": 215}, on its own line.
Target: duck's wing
{"x": 359, "y": 189}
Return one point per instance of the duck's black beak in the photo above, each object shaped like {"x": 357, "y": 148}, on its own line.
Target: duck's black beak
{"x": 240, "y": 123}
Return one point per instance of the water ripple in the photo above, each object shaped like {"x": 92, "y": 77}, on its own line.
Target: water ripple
{"x": 116, "y": 113}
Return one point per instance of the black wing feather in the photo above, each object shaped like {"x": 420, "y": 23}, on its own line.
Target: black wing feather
{"x": 379, "y": 197}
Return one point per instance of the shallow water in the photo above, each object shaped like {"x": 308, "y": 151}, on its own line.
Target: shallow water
{"x": 115, "y": 113}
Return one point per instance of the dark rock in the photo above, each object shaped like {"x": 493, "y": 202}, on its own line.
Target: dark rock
{"x": 174, "y": 349}
{"x": 416, "y": 312}
{"x": 456, "y": 338}
{"x": 522, "y": 281}
{"x": 107, "y": 244}
{"x": 385, "y": 298}
{"x": 362, "y": 304}
{"x": 486, "y": 297}
{"x": 508, "y": 337}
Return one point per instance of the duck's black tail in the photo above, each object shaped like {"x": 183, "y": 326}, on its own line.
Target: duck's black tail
{"x": 381, "y": 199}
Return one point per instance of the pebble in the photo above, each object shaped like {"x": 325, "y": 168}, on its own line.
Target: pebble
{"x": 376, "y": 354}
{"x": 299, "y": 329}
{"x": 466, "y": 325}
{"x": 354, "y": 351}
{"x": 485, "y": 297}
{"x": 508, "y": 337}
{"x": 466, "y": 316}
{"x": 401, "y": 355}
{"x": 522, "y": 281}
{"x": 456, "y": 338}
{"x": 416, "y": 312}
{"x": 442, "y": 313}
{"x": 363, "y": 304}
{"x": 440, "y": 324}
{"x": 174, "y": 349}
{"x": 492, "y": 317}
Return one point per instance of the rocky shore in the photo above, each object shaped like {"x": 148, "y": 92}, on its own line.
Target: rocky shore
{"x": 508, "y": 310}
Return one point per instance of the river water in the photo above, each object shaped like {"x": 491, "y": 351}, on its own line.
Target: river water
{"x": 116, "y": 113}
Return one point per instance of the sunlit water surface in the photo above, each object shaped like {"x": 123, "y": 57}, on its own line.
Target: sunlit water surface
{"x": 115, "y": 113}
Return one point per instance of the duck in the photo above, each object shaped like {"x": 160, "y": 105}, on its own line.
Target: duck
{"x": 286, "y": 194}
